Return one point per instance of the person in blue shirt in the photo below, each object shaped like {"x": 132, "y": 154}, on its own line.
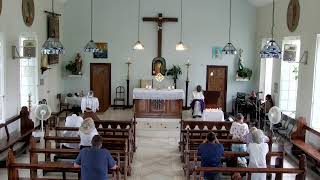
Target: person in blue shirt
{"x": 211, "y": 152}
{"x": 94, "y": 161}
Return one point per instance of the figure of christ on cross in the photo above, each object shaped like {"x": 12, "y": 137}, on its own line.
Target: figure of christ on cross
{"x": 160, "y": 20}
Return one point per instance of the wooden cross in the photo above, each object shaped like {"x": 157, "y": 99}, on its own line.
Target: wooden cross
{"x": 160, "y": 20}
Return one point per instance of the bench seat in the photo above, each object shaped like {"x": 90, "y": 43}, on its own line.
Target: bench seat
{"x": 307, "y": 148}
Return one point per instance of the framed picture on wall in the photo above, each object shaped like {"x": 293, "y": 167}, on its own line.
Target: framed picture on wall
{"x": 103, "y": 46}
{"x": 216, "y": 52}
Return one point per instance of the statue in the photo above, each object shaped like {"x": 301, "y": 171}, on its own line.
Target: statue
{"x": 78, "y": 63}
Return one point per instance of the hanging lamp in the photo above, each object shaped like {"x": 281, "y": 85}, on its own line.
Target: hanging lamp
{"x": 138, "y": 45}
{"x": 52, "y": 45}
{"x": 180, "y": 46}
{"x": 229, "y": 48}
{"x": 271, "y": 49}
{"x": 91, "y": 45}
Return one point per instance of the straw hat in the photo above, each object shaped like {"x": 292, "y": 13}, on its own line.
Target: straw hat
{"x": 87, "y": 126}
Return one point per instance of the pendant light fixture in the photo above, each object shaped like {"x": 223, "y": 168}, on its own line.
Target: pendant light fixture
{"x": 52, "y": 45}
{"x": 138, "y": 45}
{"x": 91, "y": 45}
{"x": 180, "y": 46}
{"x": 271, "y": 49}
{"x": 229, "y": 48}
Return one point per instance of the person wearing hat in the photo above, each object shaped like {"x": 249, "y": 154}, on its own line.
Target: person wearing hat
{"x": 86, "y": 132}
{"x": 94, "y": 161}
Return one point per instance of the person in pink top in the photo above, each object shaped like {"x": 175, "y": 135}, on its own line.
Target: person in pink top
{"x": 238, "y": 130}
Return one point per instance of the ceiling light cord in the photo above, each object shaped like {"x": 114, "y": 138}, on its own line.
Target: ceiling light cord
{"x": 139, "y": 8}
{"x": 230, "y": 23}
{"x": 52, "y": 6}
{"x": 272, "y": 28}
{"x": 91, "y": 18}
{"x": 181, "y": 28}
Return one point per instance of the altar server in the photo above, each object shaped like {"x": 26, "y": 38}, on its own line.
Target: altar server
{"x": 89, "y": 103}
{"x": 197, "y": 103}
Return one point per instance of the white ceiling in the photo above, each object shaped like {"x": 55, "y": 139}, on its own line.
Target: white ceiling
{"x": 260, "y": 2}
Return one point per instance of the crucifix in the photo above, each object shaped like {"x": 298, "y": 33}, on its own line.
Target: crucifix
{"x": 160, "y": 20}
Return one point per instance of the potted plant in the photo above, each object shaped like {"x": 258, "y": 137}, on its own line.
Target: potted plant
{"x": 243, "y": 73}
{"x": 175, "y": 71}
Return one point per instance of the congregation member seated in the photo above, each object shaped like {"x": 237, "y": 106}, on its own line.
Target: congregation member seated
{"x": 238, "y": 130}
{"x": 251, "y": 105}
{"x": 197, "y": 104}
{"x": 72, "y": 121}
{"x": 94, "y": 161}
{"x": 211, "y": 152}
{"x": 248, "y": 137}
{"x": 87, "y": 131}
{"x": 267, "y": 105}
{"x": 258, "y": 150}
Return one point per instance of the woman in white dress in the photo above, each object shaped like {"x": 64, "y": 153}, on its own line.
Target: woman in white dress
{"x": 258, "y": 150}
{"x": 86, "y": 132}
{"x": 197, "y": 103}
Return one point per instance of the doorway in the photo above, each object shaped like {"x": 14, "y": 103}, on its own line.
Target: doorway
{"x": 216, "y": 87}
{"x": 100, "y": 84}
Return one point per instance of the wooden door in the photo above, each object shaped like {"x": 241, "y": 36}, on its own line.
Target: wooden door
{"x": 100, "y": 83}
{"x": 216, "y": 90}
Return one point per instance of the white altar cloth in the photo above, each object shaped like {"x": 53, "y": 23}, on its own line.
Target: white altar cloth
{"x": 73, "y": 101}
{"x": 162, "y": 94}
{"x": 213, "y": 115}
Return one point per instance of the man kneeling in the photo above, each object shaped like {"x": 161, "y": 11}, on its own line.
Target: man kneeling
{"x": 94, "y": 161}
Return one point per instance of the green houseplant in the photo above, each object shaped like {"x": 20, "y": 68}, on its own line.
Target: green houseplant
{"x": 175, "y": 71}
{"x": 244, "y": 73}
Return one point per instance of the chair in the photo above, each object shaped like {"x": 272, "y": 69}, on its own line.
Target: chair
{"x": 62, "y": 105}
{"x": 119, "y": 97}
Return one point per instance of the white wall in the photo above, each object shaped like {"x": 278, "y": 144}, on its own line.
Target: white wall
{"x": 307, "y": 31}
{"x": 205, "y": 26}
{"x": 12, "y": 26}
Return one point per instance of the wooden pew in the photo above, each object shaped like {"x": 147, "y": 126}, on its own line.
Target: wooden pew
{"x": 13, "y": 138}
{"x": 123, "y": 124}
{"x": 119, "y": 145}
{"x": 192, "y": 159}
{"x": 298, "y": 139}
{"x": 13, "y": 166}
{"x": 301, "y": 171}
{"x": 106, "y": 133}
{"x": 199, "y": 128}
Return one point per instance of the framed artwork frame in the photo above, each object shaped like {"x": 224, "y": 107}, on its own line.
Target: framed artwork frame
{"x": 103, "y": 54}
{"x": 217, "y": 52}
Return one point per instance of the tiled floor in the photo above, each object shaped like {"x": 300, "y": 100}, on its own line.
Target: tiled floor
{"x": 157, "y": 156}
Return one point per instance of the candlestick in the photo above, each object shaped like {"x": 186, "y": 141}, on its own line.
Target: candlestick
{"x": 188, "y": 66}
{"x": 128, "y": 71}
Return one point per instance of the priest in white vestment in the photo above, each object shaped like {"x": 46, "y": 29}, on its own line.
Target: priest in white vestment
{"x": 197, "y": 103}
{"x": 89, "y": 106}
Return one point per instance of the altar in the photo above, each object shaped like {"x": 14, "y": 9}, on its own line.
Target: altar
{"x": 152, "y": 103}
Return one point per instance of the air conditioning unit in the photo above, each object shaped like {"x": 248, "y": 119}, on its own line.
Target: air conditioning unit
{"x": 29, "y": 48}
{"x": 290, "y": 52}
